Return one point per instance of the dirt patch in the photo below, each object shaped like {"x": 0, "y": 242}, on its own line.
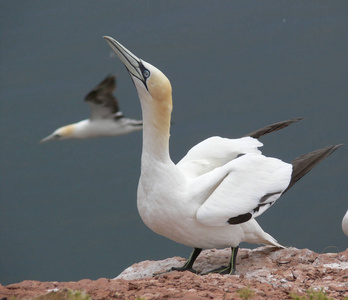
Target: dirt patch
{"x": 267, "y": 272}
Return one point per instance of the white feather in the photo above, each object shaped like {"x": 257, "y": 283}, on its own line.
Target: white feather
{"x": 249, "y": 179}
{"x": 192, "y": 202}
{"x": 215, "y": 152}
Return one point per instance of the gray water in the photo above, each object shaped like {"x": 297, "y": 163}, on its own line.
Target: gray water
{"x": 68, "y": 209}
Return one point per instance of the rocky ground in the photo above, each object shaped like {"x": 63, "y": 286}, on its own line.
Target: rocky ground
{"x": 262, "y": 273}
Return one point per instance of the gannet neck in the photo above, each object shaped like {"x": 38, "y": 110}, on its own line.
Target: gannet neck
{"x": 156, "y": 102}
{"x": 156, "y": 135}
{"x": 211, "y": 197}
{"x": 155, "y": 94}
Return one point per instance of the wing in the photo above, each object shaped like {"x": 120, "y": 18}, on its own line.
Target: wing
{"x": 271, "y": 128}
{"x": 101, "y": 100}
{"x": 215, "y": 152}
{"x": 253, "y": 183}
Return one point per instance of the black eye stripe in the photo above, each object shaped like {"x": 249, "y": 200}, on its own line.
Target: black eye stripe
{"x": 146, "y": 73}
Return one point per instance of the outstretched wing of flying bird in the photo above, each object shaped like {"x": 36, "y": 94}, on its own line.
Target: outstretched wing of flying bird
{"x": 253, "y": 183}
{"x": 102, "y": 102}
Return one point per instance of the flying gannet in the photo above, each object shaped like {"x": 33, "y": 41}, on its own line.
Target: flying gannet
{"x": 106, "y": 119}
{"x": 210, "y": 198}
{"x": 345, "y": 224}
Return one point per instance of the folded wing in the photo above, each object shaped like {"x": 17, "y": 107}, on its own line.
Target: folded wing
{"x": 253, "y": 183}
{"x": 215, "y": 152}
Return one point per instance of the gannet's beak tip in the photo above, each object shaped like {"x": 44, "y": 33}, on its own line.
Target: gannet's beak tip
{"x": 46, "y": 139}
{"x": 133, "y": 64}
{"x": 109, "y": 40}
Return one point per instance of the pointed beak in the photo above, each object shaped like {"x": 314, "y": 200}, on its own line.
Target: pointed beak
{"x": 133, "y": 64}
{"x": 48, "y": 138}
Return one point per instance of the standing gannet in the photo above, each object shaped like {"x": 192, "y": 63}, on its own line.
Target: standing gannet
{"x": 211, "y": 197}
{"x": 105, "y": 120}
{"x": 345, "y": 224}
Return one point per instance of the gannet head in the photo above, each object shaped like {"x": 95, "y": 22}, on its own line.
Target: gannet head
{"x": 153, "y": 86}
{"x": 61, "y": 133}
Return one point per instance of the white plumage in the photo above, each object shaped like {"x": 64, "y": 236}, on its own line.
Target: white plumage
{"x": 345, "y": 224}
{"x": 105, "y": 120}
{"x": 210, "y": 198}
{"x": 248, "y": 179}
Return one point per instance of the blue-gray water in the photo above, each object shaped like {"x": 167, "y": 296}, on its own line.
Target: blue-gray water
{"x": 68, "y": 209}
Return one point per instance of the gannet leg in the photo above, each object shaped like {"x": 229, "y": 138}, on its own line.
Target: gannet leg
{"x": 230, "y": 270}
{"x": 188, "y": 265}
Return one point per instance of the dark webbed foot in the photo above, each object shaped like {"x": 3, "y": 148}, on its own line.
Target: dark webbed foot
{"x": 179, "y": 269}
{"x": 223, "y": 270}
{"x": 231, "y": 269}
{"x": 188, "y": 265}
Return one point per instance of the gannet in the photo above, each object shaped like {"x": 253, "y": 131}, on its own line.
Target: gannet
{"x": 105, "y": 120}
{"x": 211, "y": 197}
{"x": 345, "y": 224}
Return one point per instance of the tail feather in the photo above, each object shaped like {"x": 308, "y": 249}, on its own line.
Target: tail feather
{"x": 270, "y": 240}
{"x": 304, "y": 163}
{"x": 271, "y": 128}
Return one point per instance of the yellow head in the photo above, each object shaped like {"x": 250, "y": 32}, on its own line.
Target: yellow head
{"x": 154, "y": 88}
{"x": 61, "y": 133}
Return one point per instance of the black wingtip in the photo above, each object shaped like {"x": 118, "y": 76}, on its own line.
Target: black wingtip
{"x": 273, "y": 127}
{"x": 106, "y": 86}
{"x": 304, "y": 163}
{"x": 240, "y": 219}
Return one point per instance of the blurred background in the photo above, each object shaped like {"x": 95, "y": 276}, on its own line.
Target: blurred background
{"x": 68, "y": 209}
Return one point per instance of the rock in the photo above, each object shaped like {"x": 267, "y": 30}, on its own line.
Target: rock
{"x": 147, "y": 268}
{"x": 266, "y": 272}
